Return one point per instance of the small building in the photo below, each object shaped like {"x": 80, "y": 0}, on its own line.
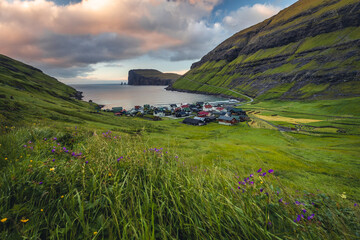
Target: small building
{"x": 159, "y": 114}
{"x": 181, "y": 114}
{"x": 200, "y": 118}
{"x": 237, "y": 111}
{"x": 203, "y": 114}
{"x": 207, "y": 107}
{"x": 194, "y": 122}
{"x": 173, "y": 105}
{"x": 137, "y": 107}
{"x": 224, "y": 120}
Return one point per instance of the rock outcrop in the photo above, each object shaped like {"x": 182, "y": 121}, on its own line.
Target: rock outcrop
{"x": 309, "y": 50}
{"x": 150, "y": 77}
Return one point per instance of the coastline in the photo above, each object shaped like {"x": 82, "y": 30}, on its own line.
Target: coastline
{"x": 170, "y": 88}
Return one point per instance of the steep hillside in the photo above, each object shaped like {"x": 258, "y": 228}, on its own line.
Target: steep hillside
{"x": 26, "y": 92}
{"x": 150, "y": 77}
{"x": 311, "y": 50}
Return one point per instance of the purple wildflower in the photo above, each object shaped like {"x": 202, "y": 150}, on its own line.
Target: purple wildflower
{"x": 298, "y": 219}
{"x": 53, "y": 160}
{"x": 304, "y": 210}
{"x": 55, "y": 138}
{"x": 263, "y": 174}
{"x": 30, "y": 142}
{"x": 270, "y": 171}
{"x": 261, "y": 190}
{"x": 297, "y": 202}
{"x": 311, "y": 216}
{"x": 355, "y": 204}
{"x": 25, "y": 146}
{"x": 53, "y": 150}
{"x": 259, "y": 170}
{"x": 251, "y": 175}
{"x": 86, "y": 162}
{"x": 251, "y": 182}
{"x": 280, "y": 200}
{"x": 45, "y": 139}
{"x": 40, "y": 183}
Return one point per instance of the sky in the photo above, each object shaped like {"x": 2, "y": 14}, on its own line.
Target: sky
{"x": 99, "y": 41}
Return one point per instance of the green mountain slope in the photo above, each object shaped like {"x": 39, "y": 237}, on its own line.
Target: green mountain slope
{"x": 26, "y": 92}
{"x": 311, "y": 50}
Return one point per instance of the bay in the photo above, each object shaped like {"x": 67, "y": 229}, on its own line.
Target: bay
{"x": 127, "y": 96}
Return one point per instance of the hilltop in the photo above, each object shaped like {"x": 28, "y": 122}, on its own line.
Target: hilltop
{"x": 310, "y": 50}
{"x": 151, "y": 77}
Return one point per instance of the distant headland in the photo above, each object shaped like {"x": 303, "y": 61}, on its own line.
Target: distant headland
{"x": 151, "y": 77}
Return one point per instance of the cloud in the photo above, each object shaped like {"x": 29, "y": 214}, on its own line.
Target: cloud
{"x": 68, "y": 39}
{"x": 249, "y": 15}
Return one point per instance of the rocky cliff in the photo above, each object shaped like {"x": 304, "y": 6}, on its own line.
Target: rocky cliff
{"x": 310, "y": 50}
{"x": 150, "y": 77}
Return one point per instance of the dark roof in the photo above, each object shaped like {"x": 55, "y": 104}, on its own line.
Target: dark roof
{"x": 192, "y": 121}
{"x": 236, "y": 110}
{"x": 225, "y": 118}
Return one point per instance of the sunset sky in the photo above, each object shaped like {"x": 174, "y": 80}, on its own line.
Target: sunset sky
{"x": 92, "y": 41}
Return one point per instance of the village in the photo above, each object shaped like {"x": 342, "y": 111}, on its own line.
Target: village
{"x": 197, "y": 114}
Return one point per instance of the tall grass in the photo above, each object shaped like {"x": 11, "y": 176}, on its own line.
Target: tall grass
{"x": 81, "y": 184}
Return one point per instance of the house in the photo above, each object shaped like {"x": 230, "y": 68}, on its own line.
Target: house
{"x": 207, "y": 107}
{"x": 210, "y": 119}
{"x": 200, "y": 118}
{"x": 227, "y": 120}
{"x": 203, "y": 114}
{"x": 236, "y": 111}
{"x": 159, "y": 114}
{"x": 181, "y": 114}
{"x": 220, "y": 109}
{"x": 194, "y": 122}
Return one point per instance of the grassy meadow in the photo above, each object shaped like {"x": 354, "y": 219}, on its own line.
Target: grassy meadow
{"x": 97, "y": 176}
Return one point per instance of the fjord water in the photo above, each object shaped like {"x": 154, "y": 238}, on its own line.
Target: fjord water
{"x": 117, "y": 95}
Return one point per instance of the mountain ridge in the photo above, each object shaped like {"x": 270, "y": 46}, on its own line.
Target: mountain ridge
{"x": 309, "y": 50}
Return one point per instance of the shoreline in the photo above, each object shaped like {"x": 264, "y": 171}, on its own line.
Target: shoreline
{"x": 170, "y": 88}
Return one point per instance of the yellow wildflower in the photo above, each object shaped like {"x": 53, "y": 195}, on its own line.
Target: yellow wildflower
{"x": 24, "y": 220}
{"x": 261, "y": 182}
{"x": 109, "y": 174}
{"x": 20, "y": 156}
{"x": 62, "y": 196}
{"x": 95, "y": 233}
{"x": 5, "y": 158}
{"x": 52, "y": 169}
{"x": 30, "y": 160}
{"x": 3, "y": 220}
{"x": 343, "y": 195}
{"x": 41, "y": 210}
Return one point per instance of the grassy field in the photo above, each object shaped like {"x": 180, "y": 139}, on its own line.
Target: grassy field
{"x": 68, "y": 171}
{"x": 167, "y": 180}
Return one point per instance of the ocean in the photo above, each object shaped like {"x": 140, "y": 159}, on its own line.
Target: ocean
{"x": 127, "y": 96}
